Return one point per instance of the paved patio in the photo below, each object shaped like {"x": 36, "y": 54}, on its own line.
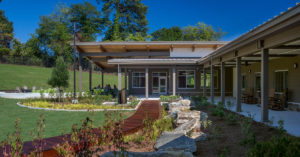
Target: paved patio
{"x": 291, "y": 118}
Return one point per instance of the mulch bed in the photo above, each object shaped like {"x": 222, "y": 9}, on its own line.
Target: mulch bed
{"x": 227, "y": 139}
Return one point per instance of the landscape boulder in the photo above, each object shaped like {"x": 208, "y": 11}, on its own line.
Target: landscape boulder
{"x": 185, "y": 102}
{"x": 175, "y": 107}
{"x": 172, "y": 141}
{"x": 198, "y": 136}
{"x": 188, "y": 126}
{"x": 183, "y": 117}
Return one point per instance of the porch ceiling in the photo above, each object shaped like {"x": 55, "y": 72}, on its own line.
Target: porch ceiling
{"x": 101, "y": 52}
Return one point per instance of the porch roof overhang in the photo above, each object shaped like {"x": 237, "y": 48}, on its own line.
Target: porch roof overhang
{"x": 101, "y": 52}
{"x": 158, "y": 61}
{"x": 281, "y": 35}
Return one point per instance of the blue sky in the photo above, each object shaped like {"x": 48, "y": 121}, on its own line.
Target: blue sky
{"x": 233, "y": 16}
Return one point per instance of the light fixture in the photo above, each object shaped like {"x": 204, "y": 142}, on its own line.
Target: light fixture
{"x": 249, "y": 70}
{"x": 295, "y": 65}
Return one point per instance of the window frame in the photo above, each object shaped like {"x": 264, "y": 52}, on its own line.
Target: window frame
{"x": 137, "y": 77}
{"x": 194, "y": 71}
{"x": 208, "y": 86}
{"x": 284, "y": 77}
{"x": 244, "y": 76}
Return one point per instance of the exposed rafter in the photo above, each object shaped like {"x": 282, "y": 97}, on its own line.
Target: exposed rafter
{"x": 125, "y": 54}
{"x": 274, "y": 55}
{"x": 102, "y": 48}
{"x": 288, "y": 47}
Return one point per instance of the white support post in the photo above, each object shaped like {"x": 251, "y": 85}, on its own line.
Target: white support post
{"x": 223, "y": 83}
{"x": 204, "y": 82}
{"x": 264, "y": 85}
{"x": 212, "y": 87}
{"x": 239, "y": 84}
{"x": 90, "y": 74}
{"x": 80, "y": 75}
{"x": 126, "y": 79}
{"x": 147, "y": 82}
{"x": 119, "y": 78}
{"x": 174, "y": 80}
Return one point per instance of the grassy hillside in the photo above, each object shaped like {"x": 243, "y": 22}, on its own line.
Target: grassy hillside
{"x": 12, "y": 76}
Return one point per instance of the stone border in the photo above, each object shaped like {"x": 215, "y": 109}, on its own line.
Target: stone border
{"x": 82, "y": 110}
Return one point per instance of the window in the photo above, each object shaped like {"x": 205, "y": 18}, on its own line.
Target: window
{"x": 257, "y": 82}
{"x": 281, "y": 81}
{"x": 216, "y": 82}
{"x": 244, "y": 79}
{"x": 186, "y": 79}
{"x": 138, "y": 80}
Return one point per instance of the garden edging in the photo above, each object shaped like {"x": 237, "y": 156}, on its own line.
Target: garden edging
{"x": 81, "y": 110}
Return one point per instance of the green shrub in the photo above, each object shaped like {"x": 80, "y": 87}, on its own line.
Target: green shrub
{"x": 169, "y": 98}
{"x": 283, "y": 146}
{"x": 231, "y": 118}
{"x": 218, "y": 111}
{"x": 4, "y": 51}
{"x": 249, "y": 136}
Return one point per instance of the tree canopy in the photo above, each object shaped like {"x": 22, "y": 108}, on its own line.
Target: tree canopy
{"x": 110, "y": 20}
{"x": 124, "y": 17}
{"x": 167, "y": 34}
{"x": 6, "y": 31}
{"x": 54, "y": 34}
{"x": 199, "y": 32}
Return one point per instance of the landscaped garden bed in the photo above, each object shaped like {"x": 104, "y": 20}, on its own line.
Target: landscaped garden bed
{"x": 95, "y": 100}
{"x": 231, "y": 134}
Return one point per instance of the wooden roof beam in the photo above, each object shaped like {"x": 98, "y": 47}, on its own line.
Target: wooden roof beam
{"x": 287, "y": 47}
{"x": 102, "y": 48}
{"x": 126, "y": 54}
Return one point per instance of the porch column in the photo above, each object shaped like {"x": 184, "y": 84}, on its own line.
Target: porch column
{"x": 80, "y": 74}
{"x": 212, "y": 92}
{"x": 102, "y": 79}
{"x": 146, "y": 82}
{"x": 90, "y": 74}
{"x": 174, "y": 80}
{"x": 223, "y": 83}
{"x": 125, "y": 79}
{"x": 264, "y": 85}
{"x": 239, "y": 84}
{"x": 204, "y": 82}
{"x": 119, "y": 79}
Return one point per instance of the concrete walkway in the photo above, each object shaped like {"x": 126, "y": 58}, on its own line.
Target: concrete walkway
{"x": 291, "y": 118}
{"x": 20, "y": 95}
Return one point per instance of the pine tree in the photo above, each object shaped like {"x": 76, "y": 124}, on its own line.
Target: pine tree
{"x": 60, "y": 76}
{"x": 124, "y": 17}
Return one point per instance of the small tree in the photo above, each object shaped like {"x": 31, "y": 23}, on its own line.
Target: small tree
{"x": 60, "y": 75}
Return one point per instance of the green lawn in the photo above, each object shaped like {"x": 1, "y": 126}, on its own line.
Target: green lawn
{"x": 57, "y": 122}
{"x": 13, "y": 76}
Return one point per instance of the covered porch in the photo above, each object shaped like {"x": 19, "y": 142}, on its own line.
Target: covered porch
{"x": 265, "y": 65}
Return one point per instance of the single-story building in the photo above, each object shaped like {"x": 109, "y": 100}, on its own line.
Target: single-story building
{"x": 263, "y": 61}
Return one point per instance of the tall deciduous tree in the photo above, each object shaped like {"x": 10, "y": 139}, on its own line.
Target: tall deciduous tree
{"x": 199, "y": 32}
{"x": 54, "y": 34}
{"x": 124, "y": 17}
{"x": 88, "y": 20}
{"x": 167, "y": 34}
{"x": 6, "y": 31}
{"x": 60, "y": 75}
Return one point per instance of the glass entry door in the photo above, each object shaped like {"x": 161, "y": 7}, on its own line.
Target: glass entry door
{"x": 162, "y": 85}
